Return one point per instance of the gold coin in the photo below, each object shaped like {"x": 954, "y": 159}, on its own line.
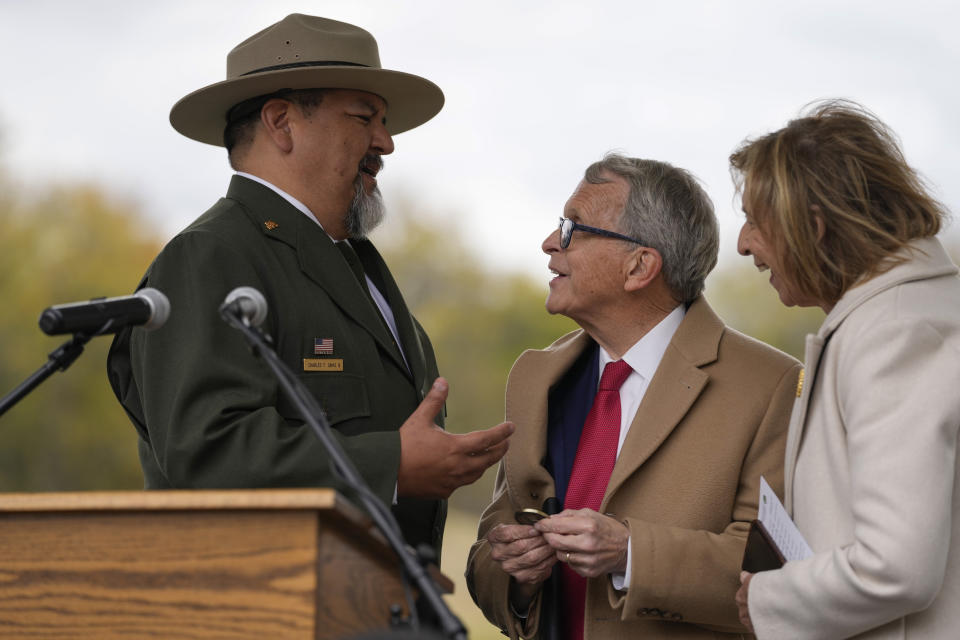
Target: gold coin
{"x": 529, "y": 516}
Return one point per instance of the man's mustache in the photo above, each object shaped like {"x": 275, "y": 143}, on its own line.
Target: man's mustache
{"x": 372, "y": 163}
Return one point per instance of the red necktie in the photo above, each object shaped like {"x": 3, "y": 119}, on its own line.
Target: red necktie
{"x": 596, "y": 455}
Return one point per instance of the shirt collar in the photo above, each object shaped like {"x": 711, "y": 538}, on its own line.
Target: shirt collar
{"x": 645, "y": 355}
{"x": 283, "y": 194}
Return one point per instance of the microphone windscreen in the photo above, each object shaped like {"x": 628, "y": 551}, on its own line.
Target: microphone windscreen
{"x": 159, "y": 304}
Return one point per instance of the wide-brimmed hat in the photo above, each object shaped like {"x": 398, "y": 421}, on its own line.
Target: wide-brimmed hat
{"x": 305, "y": 52}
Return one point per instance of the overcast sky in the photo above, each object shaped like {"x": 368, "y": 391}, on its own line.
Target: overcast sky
{"x": 535, "y": 91}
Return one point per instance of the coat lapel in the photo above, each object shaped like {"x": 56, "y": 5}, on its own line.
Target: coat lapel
{"x": 674, "y": 388}
{"x": 528, "y": 389}
{"x": 323, "y": 263}
{"x": 317, "y": 256}
{"x": 677, "y": 384}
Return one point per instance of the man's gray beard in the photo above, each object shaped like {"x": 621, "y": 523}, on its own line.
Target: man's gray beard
{"x": 365, "y": 213}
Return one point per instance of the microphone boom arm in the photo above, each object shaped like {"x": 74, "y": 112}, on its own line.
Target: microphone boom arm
{"x": 61, "y": 358}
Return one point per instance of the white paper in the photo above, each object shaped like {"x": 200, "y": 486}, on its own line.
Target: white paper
{"x": 780, "y": 526}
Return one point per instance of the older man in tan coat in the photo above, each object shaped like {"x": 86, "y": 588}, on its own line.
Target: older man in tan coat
{"x": 653, "y": 478}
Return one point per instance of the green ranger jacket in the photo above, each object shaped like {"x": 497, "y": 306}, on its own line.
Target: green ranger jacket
{"x": 211, "y": 415}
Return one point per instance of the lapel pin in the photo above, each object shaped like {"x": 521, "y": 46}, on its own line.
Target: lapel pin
{"x": 270, "y": 225}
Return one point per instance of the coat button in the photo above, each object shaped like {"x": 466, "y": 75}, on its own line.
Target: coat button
{"x": 643, "y": 612}
{"x": 676, "y": 617}
{"x": 533, "y": 494}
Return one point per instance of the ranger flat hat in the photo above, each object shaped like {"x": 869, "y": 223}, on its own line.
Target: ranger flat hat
{"x": 305, "y": 52}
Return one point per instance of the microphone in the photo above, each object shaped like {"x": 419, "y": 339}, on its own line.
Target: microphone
{"x": 147, "y": 307}
{"x": 247, "y": 305}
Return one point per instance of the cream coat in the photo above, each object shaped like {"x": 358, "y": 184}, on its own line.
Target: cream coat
{"x": 713, "y": 420}
{"x": 871, "y": 472}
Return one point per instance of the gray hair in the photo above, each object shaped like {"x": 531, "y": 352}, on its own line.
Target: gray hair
{"x": 669, "y": 211}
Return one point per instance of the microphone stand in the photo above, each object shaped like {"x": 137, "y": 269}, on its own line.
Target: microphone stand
{"x": 61, "y": 358}
{"x": 314, "y": 416}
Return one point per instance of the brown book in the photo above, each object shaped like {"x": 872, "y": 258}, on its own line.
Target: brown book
{"x": 761, "y": 552}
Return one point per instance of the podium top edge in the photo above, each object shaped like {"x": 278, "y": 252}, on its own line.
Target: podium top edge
{"x": 176, "y": 500}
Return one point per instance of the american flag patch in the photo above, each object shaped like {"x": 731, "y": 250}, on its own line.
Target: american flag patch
{"x": 323, "y": 346}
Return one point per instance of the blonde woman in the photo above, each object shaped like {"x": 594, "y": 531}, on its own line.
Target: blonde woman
{"x": 840, "y": 221}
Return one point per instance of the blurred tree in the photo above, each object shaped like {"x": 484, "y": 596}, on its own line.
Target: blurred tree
{"x": 71, "y": 243}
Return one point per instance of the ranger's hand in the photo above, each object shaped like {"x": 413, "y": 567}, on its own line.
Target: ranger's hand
{"x": 434, "y": 462}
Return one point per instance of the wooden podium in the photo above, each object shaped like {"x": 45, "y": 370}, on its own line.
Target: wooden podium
{"x": 291, "y": 563}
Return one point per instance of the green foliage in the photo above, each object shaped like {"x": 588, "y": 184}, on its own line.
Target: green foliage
{"x": 72, "y": 243}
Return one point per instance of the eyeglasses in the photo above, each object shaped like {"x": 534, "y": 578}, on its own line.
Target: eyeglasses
{"x": 568, "y": 226}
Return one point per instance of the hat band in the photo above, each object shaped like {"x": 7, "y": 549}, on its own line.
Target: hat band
{"x": 295, "y": 65}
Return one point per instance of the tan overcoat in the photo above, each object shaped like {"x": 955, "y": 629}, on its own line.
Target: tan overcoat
{"x": 686, "y": 482}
